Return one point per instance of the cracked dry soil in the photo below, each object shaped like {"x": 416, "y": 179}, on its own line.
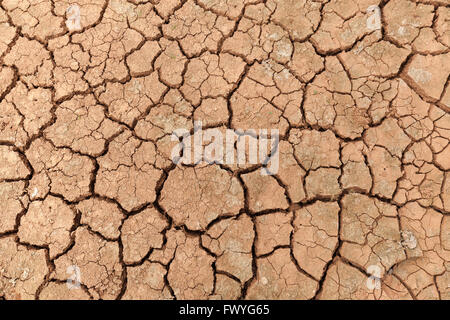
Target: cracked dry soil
{"x": 86, "y": 178}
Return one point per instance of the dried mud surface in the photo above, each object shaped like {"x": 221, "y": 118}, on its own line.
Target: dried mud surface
{"x": 86, "y": 177}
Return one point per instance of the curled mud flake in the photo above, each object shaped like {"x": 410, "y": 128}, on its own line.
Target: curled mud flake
{"x": 273, "y": 230}
{"x": 196, "y": 196}
{"x": 277, "y": 277}
{"x": 60, "y": 291}
{"x": 196, "y": 29}
{"x": 232, "y": 240}
{"x": 22, "y": 270}
{"x": 13, "y": 166}
{"x": 47, "y": 223}
{"x": 98, "y": 262}
{"x": 140, "y": 233}
{"x": 370, "y": 233}
{"x": 68, "y": 172}
{"x": 190, "y": 256}
{"x": 346, "y": 282}
{"x": 82, "y": 125}
{"x": 226, "y": 288}
{"x": 315, "y": 236}
{"x": 264, "y": 192}
{"x": 146, "y": 282}
{"x": 11, "y": 204}
{"x": 127, "y": 172}
{"x": 101, "y": 216}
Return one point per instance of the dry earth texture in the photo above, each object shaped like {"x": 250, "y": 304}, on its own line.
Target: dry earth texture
{"x": 92, "y": 206}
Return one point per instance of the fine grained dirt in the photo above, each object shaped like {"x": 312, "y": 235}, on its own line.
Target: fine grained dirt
{"x": 88, "y": 188}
